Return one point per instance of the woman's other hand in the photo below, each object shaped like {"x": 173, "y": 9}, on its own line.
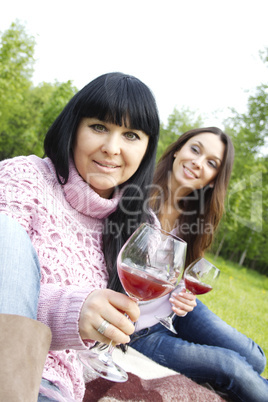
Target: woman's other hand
{"x": 116, "y": 308}
{"x": 183, "y": 302}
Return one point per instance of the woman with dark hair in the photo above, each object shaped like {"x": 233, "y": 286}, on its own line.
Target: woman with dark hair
{"x": 187, "y": 195}
{"x": 63, "y": 219}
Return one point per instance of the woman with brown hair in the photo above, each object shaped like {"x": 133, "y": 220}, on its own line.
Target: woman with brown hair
{"x": 193, "y": 207}
{"x": 188, "y": 195}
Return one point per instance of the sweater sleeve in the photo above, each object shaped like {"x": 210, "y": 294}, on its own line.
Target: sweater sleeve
{"x": 59, "y": 308}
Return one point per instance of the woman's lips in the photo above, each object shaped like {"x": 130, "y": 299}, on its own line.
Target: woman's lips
{"x": 106, "y": 165}
{"x": 189, "y": 173}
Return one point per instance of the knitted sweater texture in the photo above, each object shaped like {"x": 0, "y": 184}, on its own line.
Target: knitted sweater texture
{"x": 65, "y": 225}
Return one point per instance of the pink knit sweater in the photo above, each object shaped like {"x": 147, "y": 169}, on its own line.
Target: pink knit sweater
{"x": 65, "y": 226}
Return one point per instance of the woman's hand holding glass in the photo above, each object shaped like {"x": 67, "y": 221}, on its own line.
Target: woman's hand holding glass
{"x": 104, "y": 318}
{"x": 106, "y": 304}
{"x": 182, "y": 302}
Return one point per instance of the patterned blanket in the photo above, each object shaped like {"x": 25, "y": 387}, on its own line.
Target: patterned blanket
{"x": 147, "y": 382}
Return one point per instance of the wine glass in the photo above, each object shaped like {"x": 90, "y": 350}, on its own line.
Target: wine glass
{"x": 149, "y": 266}
{"x": 199, "y": 278}
{"x": 151, "y": 263}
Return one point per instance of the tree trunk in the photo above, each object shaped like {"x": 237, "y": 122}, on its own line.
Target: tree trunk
{"x": 220, "y": 246}
{"x": 243, "y": 256}
{"x": 232, "y": 256}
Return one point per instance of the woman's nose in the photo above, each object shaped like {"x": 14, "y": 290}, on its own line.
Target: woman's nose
{"x": 111, "y": 145}
{"x": 198, "y": 162}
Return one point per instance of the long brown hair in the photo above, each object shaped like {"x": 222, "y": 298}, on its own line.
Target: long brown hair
{"x": 201, "y": 210}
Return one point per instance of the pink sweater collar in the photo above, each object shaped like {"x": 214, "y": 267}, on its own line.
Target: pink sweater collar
{"x": 85, "y": 200}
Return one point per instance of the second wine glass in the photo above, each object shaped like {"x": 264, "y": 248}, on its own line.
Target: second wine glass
{"x": 199, "y": 278}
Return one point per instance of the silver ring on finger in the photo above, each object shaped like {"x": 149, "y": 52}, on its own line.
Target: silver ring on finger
{"x": 102, "y": 328}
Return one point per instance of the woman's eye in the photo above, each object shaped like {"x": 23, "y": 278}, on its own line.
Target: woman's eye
{"x": 131, "y": 136}
{"x": 98, "y": 127}
{"x": 213, "y": 164}
{"x": 195, "y": 149}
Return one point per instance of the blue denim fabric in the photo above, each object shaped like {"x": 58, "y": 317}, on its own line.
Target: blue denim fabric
{"x": 208, "y": 350}
{"x": 48, "y": 385}
{"x": 19, "y": 270}
{"x": 42, "y": 398}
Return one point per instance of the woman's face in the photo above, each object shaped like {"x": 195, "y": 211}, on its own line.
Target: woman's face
{"x": 197, "y": 163}
{"x": 107, "y": 155}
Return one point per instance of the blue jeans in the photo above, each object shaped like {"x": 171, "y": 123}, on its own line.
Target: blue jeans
{"x": 208, "y": 350}
{"x": 19, "y": 270}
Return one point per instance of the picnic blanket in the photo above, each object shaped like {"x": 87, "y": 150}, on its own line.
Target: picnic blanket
{"x": 147, "y": 382}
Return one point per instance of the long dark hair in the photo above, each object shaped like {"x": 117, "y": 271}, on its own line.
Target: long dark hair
{"x": 196, "y": 228}
{"x": 119, "y": 99}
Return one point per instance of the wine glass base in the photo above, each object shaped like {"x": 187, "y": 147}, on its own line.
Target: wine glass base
{"x": 167, "y": 323}
{"x": 103, "y": 365}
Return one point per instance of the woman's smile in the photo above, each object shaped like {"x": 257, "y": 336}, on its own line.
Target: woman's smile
{"x": 189, "y": 172}
{"x": 107, "y": 165}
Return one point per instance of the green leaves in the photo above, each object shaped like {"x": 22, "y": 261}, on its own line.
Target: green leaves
{"x": 245, "y": 228}
{"x": 26, "y": 112}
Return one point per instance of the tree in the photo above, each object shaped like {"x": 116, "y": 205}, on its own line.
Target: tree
{"x": 42, "y": 106}
{"x": 16, "y": 67}
{"x": 26, "y": 112}
{"x": 243, "y": 234}
{"x": 61, "y": 94}
{"x": 16, "y": 59}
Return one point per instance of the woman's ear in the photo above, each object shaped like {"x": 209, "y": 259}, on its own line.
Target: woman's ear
{"x": 175, "y": 155}
{"x": 211, "y": 185}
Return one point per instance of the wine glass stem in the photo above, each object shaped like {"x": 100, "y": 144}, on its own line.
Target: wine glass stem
{"x": 111, "y": 348}
{"x": 106, "y": 357}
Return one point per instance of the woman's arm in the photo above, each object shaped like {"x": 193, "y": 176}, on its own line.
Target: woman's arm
{"x": 74, "y": 314}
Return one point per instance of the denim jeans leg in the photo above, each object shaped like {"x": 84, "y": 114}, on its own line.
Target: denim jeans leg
{"x": 19, "y": 270}
{"x": 208, "y": 350}
{"x": 202, "y": 326}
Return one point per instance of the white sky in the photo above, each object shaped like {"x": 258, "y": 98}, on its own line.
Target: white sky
{"x": 202, "y": 54}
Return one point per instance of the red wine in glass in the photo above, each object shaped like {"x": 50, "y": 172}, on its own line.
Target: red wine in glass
{"x": 199, "y": 278}
{"x": 151, "y": 263}
{"x": 142, "y": 286}
{"x": 195, "y": 287}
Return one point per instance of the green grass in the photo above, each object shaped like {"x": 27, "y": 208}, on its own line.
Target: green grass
{"x": 240, "y": 298}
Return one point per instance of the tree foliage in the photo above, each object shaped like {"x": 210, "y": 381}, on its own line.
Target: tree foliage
{"x": 26, "y": 111}
{"x": 243, "y": 234}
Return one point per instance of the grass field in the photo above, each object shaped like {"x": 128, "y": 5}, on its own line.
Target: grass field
{"x": 241, "y": 299}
